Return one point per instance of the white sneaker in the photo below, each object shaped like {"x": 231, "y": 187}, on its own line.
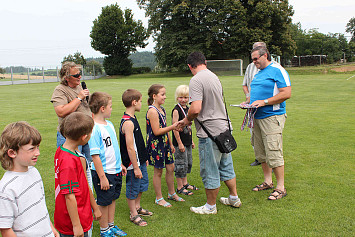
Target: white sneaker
{"x": 203, "y": 210}
{"x": 233, "y": 203}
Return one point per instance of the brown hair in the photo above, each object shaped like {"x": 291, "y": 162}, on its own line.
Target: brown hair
{"x": 13, "y": 137}
{"x": 153, "y": 90}
{"x": 129, "y": 96}
{"x": 97, "y": 100}
{"x": 65, "y": 71}
{"x": 76, "y": 125}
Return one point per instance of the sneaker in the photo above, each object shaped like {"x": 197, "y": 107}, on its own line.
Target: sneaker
{"x": 255, "y": 163}
{"x": 229, "y": 202}
{"x": 203, "y": 210}
{"x": 117, "y": 231}
{"x": 108, "y": 233}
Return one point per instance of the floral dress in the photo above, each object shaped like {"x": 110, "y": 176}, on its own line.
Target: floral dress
{"x": 158, "y": 147}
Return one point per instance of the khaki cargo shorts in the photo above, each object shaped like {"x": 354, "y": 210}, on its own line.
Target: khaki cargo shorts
{"x": 267, "y": 140}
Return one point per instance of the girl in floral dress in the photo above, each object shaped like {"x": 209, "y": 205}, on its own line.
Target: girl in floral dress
{"x": 159, "y": 144}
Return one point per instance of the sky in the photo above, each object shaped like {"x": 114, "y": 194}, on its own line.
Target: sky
{"x": 40, "y": 33}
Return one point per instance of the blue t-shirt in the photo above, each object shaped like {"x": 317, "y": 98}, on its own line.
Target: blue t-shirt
{"x": 103, "y": 142}
{"x": 266, "y": 84}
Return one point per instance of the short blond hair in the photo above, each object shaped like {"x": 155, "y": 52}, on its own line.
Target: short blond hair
{"x": 182, "y": 91}
{"x": 13, "y": 137}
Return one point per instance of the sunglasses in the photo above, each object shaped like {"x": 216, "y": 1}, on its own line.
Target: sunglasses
{"x": 76, "y": 75}
{"x": 255, "y": 59}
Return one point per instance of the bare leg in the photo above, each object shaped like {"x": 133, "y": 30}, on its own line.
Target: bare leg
{"x": 169, "y": 178}
{"x": 279, "y": 173}
{"x": 267, "y": 173}
{"x": 138, "y": 201}
{"x": 132, "y": 206}
{"x": 180, "y": 182}
{"x": 104, "y": 217}
{"x": 157, "y": 184}
{"x": 111, "y": 211}
{"x": 232, "y": 186}
{"x": 212, "y": 196}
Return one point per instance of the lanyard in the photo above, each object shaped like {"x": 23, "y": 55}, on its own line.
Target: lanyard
{"x": 161, "y": 116}
{"x": 182, "y": 109}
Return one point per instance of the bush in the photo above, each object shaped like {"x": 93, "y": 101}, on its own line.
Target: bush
{"x": 141, "y": 70}
{"x": 117, "y": 66}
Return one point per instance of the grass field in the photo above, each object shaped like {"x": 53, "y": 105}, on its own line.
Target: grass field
{"x": 319, "y": 151}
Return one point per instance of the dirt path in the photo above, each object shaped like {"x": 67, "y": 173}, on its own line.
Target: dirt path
{"x": 344, "y": 69}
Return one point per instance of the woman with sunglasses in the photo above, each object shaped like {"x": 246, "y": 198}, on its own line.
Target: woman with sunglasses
{"x": 68, "y": 97}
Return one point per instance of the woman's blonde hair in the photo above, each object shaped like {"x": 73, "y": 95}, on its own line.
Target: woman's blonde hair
{"x": 182, "y": 91}
{"x": 65, "y": 71}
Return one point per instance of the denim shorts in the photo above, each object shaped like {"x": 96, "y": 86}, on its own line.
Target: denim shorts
{"x": 183, "y": 161}
{"x": 105, "y": 197}
{"x": 214, "y": 165}
{"x": 135, "y": 186}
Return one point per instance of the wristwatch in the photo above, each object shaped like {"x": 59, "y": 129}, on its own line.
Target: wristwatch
{"x": 266, "y": 102}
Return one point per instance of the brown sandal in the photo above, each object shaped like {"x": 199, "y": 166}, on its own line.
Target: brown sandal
{"x": 263, "y": 186}
{"x": 144, "y": 212}
{"x": 277, "y": 194}
{"x": 140, "y": 222}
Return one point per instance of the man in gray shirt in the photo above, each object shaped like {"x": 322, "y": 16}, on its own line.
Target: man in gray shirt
{"x": 207, "y": 107}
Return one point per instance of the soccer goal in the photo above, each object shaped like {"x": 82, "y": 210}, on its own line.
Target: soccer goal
{"x": 226, "y": 67}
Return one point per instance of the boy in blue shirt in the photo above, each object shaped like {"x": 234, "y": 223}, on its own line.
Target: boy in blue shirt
{"x": 107, "y": 169}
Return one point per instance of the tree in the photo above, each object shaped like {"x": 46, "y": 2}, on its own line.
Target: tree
{"x": 77, "y": 58}
{"x": 221, "y": 29}
{"x": 350, "y": 28}
{"x": 2, "y": 70}
{"x": 115, "y": 34}
{"x": 94, "y": 67}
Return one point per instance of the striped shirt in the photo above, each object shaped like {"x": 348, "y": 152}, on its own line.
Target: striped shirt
{"x": 23, "y": 205}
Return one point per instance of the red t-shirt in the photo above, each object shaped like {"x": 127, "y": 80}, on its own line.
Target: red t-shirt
{"x": 70, "y": 178}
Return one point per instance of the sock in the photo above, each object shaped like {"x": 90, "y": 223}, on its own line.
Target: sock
{"x": 102, "y": 230}
{"x": 111, "y": 224}
{"x": 210, "y": 207}
{"x": 233, "y": 198}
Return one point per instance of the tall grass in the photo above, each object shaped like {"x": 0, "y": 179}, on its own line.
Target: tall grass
{"x": 319, "y": 156}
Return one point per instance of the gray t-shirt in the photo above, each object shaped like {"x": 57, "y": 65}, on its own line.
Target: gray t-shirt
{"x": 206, "y": 87}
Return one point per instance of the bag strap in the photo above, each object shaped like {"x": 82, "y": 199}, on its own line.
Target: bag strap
{"x": 206, "y": 131}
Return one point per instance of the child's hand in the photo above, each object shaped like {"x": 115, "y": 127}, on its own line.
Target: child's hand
{"x": 172, "y": 149}
{"x": 105, "y": 185}
{"x": 147, "y": 163}
{"x": 56, "y": 234}
{"x": 193, "y": 145}
{"x": 138, "y": 173}
{"x": 78, "y": 231}
{"x": 124, "y": 170}
{"x": 97, "y": 214}
{"x": 177, "y": 126}
{"x": 182, "y": 148}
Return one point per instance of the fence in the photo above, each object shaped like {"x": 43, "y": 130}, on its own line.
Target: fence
{"x": 22, "y": 75}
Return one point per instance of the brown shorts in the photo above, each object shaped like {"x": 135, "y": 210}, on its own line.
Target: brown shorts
{"x": 267, "y": 140}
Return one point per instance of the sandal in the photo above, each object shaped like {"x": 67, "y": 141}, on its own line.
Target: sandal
{"x": 184, "y": 191}
{"x": 140, "y": 222}
{"x": 144, "y": 212}
{"x": 193, "y": 187}
{"x": 263, "y": 186}
{"x": 171, "y": 197}
{"x": 167, "y": 204}
{"x": 277, "y": 194}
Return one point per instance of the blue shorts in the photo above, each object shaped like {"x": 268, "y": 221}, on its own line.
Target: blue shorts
{"x": 214, "y": 165}
{"x": 135, "y": 186}
{"x": 105, "y": 197}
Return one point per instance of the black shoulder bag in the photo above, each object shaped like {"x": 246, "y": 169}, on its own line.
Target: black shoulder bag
{"x": 225, "y": 140}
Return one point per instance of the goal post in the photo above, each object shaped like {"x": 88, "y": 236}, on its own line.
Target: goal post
{"x": 226, "y": 67}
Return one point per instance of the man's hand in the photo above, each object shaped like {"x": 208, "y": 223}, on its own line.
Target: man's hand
{"x": 258, "y": 103}
{"x": 138, "y": 173}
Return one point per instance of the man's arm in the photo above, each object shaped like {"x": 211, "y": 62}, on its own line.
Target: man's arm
{"x": 284, "y": 94}
{"x": 195, "y": 109}
{"x": 127, "y": 129}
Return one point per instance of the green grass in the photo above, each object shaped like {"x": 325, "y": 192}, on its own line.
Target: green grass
{"x": 318, "y": 149}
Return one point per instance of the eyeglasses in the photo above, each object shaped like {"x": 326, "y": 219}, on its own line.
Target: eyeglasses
{"x": 255, "y": 59}
{"x": 76, "y": 75}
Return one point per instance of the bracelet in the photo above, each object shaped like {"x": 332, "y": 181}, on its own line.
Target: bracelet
{"x": 79, "y": 99}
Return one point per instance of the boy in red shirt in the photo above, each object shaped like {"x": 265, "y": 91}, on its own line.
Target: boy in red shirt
{"x": 73, "y": 197}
